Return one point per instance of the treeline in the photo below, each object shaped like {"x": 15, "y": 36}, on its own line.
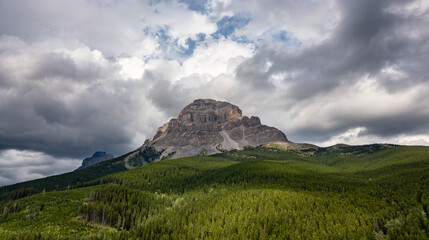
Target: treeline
{"x": 16, "y": 194}
{"x": 120, "y": 206}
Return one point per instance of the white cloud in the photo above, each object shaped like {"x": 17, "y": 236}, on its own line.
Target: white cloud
{"x": 409, "y": 8}
{"x": 310, "y": 22}
{"x": 351, "y": 136}
{"x": 216, "y": 57}
{"x": 181, "y": 22}
{"x": 131, "y": 67}
{"x": 114, "y": 29}
{"x": 164, "y": 69}
{"x": 418, "y": 139}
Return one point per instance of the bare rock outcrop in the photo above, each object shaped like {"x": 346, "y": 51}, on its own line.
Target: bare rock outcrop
{"x": 208, "y": 126}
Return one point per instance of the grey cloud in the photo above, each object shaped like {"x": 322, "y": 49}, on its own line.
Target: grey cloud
{"x": 51, "y": 110}
{"x": 99, "y": 26}
{"x": 250, "y": 72}
{"x": 59, "y": 65}
{"x": 63, "y": 110}
{"x": 55, "y": 65}
{"x": 383, "y": 126}
{"x": 170, "y": 98}
{"x": 17, "y": 165}
{"x": 368, "y": 40}
{"x": 411, "y": 121}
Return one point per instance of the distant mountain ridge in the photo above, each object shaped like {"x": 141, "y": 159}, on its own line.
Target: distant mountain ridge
{"x": 208, "y": 126}
{"x": 97, "y": 157}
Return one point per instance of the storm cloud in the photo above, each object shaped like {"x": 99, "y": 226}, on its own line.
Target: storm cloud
{"x": 81, "y": 76}
{"x": 370, "y": 73}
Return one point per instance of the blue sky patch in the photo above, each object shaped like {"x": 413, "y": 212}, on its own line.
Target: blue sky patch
{"x": 227, "y": 25}
{"x": 286, "y": 37}
{"x": 171, "y": 48}
{"x": 190, "y": 49}
{"x": 196, "y": 5}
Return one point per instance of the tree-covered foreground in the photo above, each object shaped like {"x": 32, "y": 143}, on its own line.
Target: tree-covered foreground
{"x": 341, "y": 192}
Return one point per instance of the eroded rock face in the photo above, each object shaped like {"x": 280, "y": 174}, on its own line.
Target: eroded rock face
{"x": 210, "y": 126}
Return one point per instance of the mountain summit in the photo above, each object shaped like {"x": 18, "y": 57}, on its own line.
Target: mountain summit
{"x": 208, "y": 126}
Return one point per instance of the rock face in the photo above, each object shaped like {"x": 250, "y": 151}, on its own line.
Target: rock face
{"x": 208, "y": 126}
{"x": 97, "y": 157}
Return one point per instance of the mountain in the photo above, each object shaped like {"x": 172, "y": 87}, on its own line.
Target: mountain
{"x": 203, "y": 127}
{"x": 97, "y": 157}
{"x": 208, "y": 126}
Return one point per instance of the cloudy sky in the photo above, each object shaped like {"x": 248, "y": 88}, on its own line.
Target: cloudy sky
{"x": 86, "y": 75}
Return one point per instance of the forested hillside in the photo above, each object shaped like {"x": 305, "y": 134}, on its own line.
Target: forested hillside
{"x": 79, "y": 177}
{"x": 341, "y": 192}
{"x": 63, "y": 181}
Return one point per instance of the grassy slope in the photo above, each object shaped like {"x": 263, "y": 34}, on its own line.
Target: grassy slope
{"x": 354, "y": 192}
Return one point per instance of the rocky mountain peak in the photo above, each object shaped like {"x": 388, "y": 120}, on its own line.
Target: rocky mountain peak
{"x": 211, "y": 126}
{"x": 208, "y": 111}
